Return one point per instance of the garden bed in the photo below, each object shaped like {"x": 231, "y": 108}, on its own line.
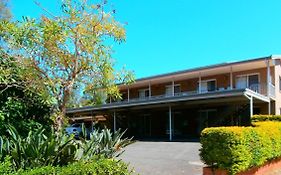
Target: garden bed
{"x": 268, "y": 167}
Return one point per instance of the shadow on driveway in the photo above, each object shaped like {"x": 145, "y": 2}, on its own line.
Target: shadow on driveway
{"x": 165, "y": 158}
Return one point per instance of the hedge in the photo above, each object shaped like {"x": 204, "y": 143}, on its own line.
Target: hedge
{"x": 236, "y": 149}
{"x": 257, "y": 118}
{"x": 96, "y": 167}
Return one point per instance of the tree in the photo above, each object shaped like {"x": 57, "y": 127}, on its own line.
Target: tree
{"x": 70, "y": 52}
{"x": 5, "y": 12}
{"x": 20, "y": 106}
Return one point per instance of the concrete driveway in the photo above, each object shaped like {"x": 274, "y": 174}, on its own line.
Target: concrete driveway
{"x": 165, "y": 158}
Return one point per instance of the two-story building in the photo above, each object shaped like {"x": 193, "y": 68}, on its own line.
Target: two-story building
{"x": 180, "y": 104}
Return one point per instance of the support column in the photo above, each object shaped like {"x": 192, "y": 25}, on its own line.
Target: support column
{"x": 231, "y": 78}
{"x": 149, "y": 87}
{"x": 251, "y": 107}
{"x": 199, "y": 88}
{"x": 268, "y": 78}
{"x": 269, "y": 107}
{"x": 173, "y": 88}
{"x": 170, "y": 123}
{"x": 114, "y": 121}
{"x": 128, "y": 94}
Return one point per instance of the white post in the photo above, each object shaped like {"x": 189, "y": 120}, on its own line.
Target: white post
{"x": 128, "y": 94}
{"x": 199, "y": 83}
{"x": 114, "y": 121}
{"x": 268, "y": 78}
{"x": 231, "y": 78}
{"x": 170, "y": 123}
{"x": 173, "y": 88}
{"x": 149, "y": 87}
{"x": 251, "y": 107}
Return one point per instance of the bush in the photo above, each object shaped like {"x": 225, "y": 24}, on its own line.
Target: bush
{"x": 95, "y": 167}
{"x": 58, "y": 149}
{"x": 238, "y": 148}
{"x": 257, "y": 118}
{"x": 6, "y": 166}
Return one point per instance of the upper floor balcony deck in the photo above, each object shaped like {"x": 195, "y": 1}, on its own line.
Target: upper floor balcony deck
{"x": 258, "y": 88}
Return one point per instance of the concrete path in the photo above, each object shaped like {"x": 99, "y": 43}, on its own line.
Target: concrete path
{"x": 165, "y": 158}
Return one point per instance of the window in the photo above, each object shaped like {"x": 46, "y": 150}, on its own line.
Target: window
{"x": 248, "y": 81}
{"x": 208, "y": 85}
{"x": 253, "y": 80}
{"x": 143, "y": 93}
{"x": 177, "y": 88}
{"x": 169, "y": 90}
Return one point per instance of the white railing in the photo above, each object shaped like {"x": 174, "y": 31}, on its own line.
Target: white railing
{"x": 262, "y": 89}
{"x": 258, "y": 88}
{"x": 271, "y": 90}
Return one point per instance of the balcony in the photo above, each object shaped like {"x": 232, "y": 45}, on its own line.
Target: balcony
{"x": 260, "y": 89}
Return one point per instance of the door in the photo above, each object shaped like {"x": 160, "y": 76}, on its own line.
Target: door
{"x": 204, "y": 87}
{"x": 241, "y": 82}
{"x": 207, "y": 118}
{"x": 169, "y": 90}
{"x": 143, "y": 93}
{"x": 254, "y": 82}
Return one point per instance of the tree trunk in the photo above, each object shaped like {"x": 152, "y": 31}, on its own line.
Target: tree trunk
{"x": 62, "y": 110}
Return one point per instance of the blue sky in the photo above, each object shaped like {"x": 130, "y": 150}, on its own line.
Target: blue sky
{"x": 170, "y": 35}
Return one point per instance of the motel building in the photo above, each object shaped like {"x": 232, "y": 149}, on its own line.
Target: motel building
{"x": 179, "y": 105}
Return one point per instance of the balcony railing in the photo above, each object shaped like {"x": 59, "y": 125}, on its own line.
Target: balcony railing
{"x": 271, "y": 90}
{"x": 262, "y": 89}
{"x": 258, "y": 88}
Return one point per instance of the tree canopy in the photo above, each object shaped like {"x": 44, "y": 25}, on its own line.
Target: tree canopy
{"x": 20, "y": 105}
{"x": 5, "y": 12}
{"x": 68, "y": 53}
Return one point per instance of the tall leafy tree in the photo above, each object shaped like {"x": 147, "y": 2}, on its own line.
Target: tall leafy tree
{"x": 70, "y": 52}
{"x": 20, "y": 105}
{"x": 5, "y": 12}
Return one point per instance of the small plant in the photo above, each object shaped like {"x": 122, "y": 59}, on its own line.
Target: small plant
{"x": 103, "y": 142}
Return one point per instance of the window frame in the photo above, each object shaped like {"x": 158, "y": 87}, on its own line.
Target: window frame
{"x": 144, "y": 91}
{"x": 170, "y": 85}
{"x": 247, "y": 78}
{"x": 206, "y": 81}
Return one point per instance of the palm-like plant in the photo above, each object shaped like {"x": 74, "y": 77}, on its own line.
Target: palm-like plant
{"x": 103, "y": 142}
{"x": 57, "y": 149}
{"x": 38, "y": 149}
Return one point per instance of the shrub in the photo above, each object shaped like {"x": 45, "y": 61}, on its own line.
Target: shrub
{"x": 38, "y": 149}
{"x": 6, "y": 166}
{"x": 58, "y": 149}
{"x": 257, "y": 118}
{"x": 95, "y": 167}
{"x": 239, "y": 148}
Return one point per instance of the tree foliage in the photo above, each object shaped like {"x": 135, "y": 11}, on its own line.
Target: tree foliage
{"x": 5, "y": 12}
{"x": 20, "y": 105}
{"x": 70, "y": 52}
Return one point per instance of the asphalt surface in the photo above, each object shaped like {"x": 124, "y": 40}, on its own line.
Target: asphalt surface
{"x": 165, "y": 158}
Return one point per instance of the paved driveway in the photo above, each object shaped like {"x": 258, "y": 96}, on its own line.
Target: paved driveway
{"x": 165, "y": 158}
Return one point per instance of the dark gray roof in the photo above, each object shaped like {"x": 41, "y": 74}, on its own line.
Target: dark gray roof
{"x": 202, "y": 68}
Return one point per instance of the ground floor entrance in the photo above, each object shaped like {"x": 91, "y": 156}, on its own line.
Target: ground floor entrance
{"x": 178, "y": 120}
